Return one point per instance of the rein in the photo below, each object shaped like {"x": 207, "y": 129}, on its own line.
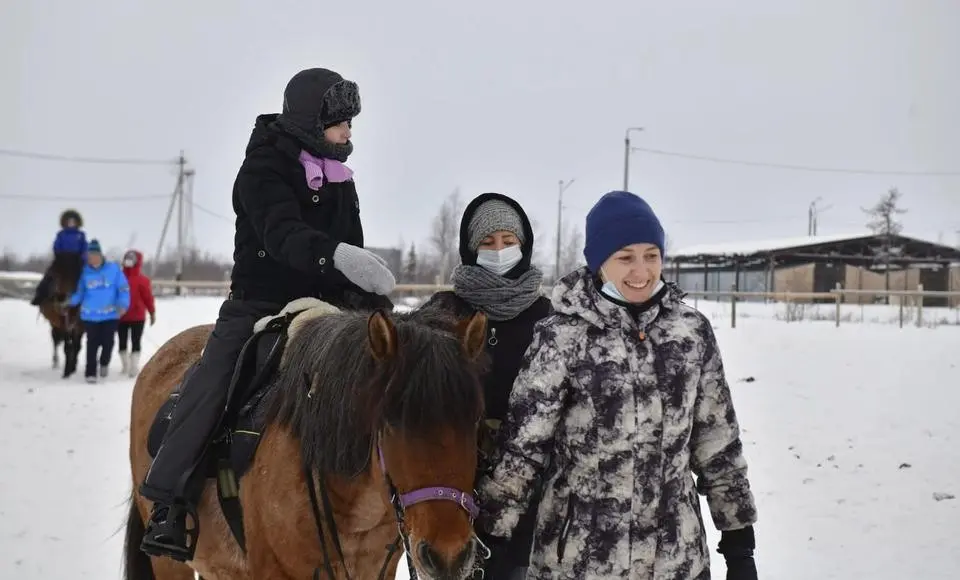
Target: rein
{"x": 400, "y": 501}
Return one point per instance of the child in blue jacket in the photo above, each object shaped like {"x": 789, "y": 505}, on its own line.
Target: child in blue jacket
{"x": 71, "y": 242}
{"x": 103, "y": 295}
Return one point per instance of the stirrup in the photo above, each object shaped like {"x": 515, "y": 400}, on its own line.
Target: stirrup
{"x": 168, "y": 535}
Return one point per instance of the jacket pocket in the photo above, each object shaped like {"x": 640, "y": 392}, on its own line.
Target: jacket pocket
{"x": 565, "y": 528}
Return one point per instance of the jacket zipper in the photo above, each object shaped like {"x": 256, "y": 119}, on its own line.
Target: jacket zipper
{"x": 565, "y": 530}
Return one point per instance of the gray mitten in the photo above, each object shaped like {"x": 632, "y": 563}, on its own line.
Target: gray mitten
{"x": 364, "y": 268}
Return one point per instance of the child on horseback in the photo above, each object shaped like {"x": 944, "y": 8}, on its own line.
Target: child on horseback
{"x": 298, "y": 234}
{"x": 70, "y": 240}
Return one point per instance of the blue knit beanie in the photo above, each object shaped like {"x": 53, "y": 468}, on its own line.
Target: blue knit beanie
{"x": 94, "y": 247}
{"x": 617, "y": 220}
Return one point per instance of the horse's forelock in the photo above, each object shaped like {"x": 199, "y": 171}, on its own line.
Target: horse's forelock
{"x": 334, "y": 396}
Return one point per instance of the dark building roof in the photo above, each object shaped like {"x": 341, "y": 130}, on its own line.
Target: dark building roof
{"x": 860, "y": 250}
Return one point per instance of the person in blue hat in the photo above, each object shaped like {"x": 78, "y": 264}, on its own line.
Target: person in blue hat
{"x": 103, "y": 295}
{"x": 620, "y": 403}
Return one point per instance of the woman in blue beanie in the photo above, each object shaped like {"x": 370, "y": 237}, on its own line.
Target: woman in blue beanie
{"x": 621, "y": 400}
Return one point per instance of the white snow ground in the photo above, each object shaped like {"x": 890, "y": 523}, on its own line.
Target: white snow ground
{"x": 850, "y": 433}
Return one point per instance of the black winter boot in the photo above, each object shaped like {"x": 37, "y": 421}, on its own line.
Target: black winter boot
{"x": 167, "y": 534}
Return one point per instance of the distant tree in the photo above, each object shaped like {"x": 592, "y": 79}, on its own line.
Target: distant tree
{"x": 571, "y": 250}
{"x": 883, "y": 223}
{"x": 411, "y": 269}
{"x": 882, "y": 215}
{"x": 445, "y": 237}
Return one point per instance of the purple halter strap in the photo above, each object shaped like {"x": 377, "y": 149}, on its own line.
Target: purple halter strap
{"x": 461, "y": 498}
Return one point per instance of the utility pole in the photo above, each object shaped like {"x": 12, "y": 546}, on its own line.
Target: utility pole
{"x": 561, "y": 188}
{"x": 176, "y": 199}
{"x": 813, "y": 216}
{"x": 626, "y": 156}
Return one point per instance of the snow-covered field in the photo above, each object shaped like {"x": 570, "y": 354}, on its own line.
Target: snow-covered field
{"x": 852, "y": 434}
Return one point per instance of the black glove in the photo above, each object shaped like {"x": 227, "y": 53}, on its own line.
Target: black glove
{"x": 737, "y": 548}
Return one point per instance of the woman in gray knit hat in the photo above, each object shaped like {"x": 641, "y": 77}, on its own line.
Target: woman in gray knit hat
{"x": 496, "y": 277}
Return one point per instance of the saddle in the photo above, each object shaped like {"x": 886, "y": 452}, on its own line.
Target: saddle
{"x": 231, "y": 452}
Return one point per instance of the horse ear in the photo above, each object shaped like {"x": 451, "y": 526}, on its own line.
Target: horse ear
{"x": 382, "y": 335}
{"x": 473, "y": 332}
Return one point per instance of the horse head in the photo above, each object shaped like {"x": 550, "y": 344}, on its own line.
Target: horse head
{"x": 392, "y": 403}
{"x": 430, "y": 402}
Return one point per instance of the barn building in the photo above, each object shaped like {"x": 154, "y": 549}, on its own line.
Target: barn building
{"x": 818, "y": 264}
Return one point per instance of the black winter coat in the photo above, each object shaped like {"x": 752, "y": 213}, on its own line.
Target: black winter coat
{"x": 286, "y": 233}
{"x": 507, "y": 342}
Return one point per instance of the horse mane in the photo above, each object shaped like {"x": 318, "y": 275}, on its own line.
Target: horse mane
{"x": 334, "y": 396}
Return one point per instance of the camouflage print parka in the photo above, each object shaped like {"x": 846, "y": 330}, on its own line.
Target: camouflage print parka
{"x": 625, "y": 411}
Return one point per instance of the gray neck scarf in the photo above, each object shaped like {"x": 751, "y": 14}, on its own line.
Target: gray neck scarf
{"x": 314, "y": 144}
{"x": 498, "y": 297}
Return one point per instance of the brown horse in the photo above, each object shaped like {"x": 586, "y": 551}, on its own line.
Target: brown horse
{"x": 65, "y": 325}
{"x": 382, "y": 411}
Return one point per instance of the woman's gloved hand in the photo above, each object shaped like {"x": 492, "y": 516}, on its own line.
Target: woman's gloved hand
{"x": 737, "y": 548}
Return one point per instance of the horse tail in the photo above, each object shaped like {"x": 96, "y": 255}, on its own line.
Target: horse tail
{"x": 137, "y": 565}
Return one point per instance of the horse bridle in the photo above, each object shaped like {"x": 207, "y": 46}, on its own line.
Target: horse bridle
{"x": 400, "y": 501}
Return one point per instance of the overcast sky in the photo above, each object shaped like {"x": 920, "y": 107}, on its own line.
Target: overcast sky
{"x": 505, "y": 96}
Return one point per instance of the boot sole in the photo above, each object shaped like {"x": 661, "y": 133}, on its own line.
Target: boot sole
{"x": 162, "y": 550}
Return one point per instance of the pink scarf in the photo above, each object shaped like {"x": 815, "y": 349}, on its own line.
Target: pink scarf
{"x": 318, "y": 169}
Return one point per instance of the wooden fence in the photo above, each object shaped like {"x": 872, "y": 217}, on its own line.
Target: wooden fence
{"x": 910, "y": 302}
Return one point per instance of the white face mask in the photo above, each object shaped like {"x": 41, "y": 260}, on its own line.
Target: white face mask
{"x": 499, "y": 261}
{"x": 129, "y": 262}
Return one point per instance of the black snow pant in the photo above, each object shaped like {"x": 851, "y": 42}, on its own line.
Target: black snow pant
{"x": 133, "y": 330}
{"x": 99, "y": 338}
{"x": 201, "y": 407}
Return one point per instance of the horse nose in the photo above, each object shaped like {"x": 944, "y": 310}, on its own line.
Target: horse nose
{"x": 435, "y": 566}
{"x": 429, "y": 559}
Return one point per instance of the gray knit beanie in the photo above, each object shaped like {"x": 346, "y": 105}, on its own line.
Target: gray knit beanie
{"x": 493, "y": 216}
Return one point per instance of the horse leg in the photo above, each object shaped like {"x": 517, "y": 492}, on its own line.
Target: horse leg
{"x": 71, "y": 363}
{"x": 71, "y": 350}
{"x": 57, "y": 339}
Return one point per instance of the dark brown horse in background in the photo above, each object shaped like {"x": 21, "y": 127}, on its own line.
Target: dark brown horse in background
{"x": 65, "y": 325}
{"x": 381, "y": 410}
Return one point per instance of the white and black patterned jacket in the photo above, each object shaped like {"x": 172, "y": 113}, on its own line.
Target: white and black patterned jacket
{"x": 625, "y": 411}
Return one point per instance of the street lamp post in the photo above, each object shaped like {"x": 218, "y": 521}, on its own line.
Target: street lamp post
{"x": 562, "y": 187}
{"x": 626, "y": 156}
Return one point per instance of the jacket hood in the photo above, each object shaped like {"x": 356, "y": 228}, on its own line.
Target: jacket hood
{"x": 267, "y": 132}
{"x": 576, "y": 295}
{"x": 71, "y": 214}
{"x": 469, "y": 258}
{"x": 135, "y": 269}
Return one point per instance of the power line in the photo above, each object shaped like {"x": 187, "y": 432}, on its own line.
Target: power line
{"x": 75, "y": 159}
{"x": 210, "y": 212}
{"x": 70, "y": 198}
{"x": 810, "y": 168}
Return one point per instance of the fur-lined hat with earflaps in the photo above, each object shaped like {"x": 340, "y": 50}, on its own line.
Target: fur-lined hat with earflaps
{"x": 71, "y": 214}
